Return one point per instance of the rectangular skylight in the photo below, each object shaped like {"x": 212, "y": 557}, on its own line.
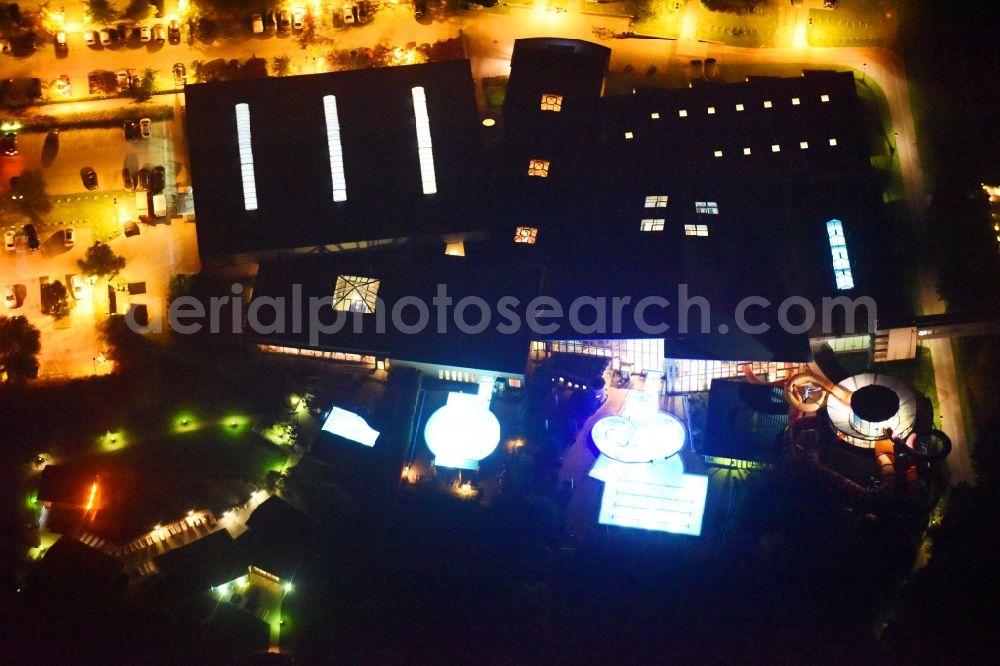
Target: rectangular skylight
{"x": 652, "y": 224}
{"x": 696, "y": 230}
{"x": 657, "y": 201}
{"x": 838, "y": 249}
{"x": 350, "y": 426}
{"x": 333, "y": 145}
{"x": 706, "y": 207}
{"x": 246, "y": 156}
{"x": 424, "y": 140}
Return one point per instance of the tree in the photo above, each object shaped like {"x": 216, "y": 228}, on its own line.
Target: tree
{"x": 20, "y": 343}
{"x": 101, "y": 261}
{"x": 147, "y": 85}
{"x": 27, "y": 196}
{"x": 138, "y": 10}
{"x": 280, "y": 65}
{"x": 56, "y": 299}
{"x": 101, "y": 11}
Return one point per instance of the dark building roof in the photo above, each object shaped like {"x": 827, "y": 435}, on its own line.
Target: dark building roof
{"x": 64, "y": 485}
{"x": 745, "y": 421}
{"x": 212, "y": 560}
{"x": 291, "y": 158}
{"x": 407, "y": 273}
{"x": 71, "y": 564}
{"x": 277, "y": 539}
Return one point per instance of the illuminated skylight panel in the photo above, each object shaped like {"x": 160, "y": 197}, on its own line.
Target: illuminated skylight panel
{"x": 824, "y": 98}
{"x": 775, "y": 148}
{"x": 350, "y": 426}
{"x": 841, "y": 261}
{"x": 682, "y": 113}
{"x": 334, "y": 147}
{"x": 354, "y": 293}
{"x": 552, "y": 102}
{"x": 711, "y": 110}
{"x": 796, "y": 101}
{"x": 833, "y": 142}
{"x": 706, "y": 207}
{"x": 739, "y": 107}
{"x": 746, "y": 151}
{"x": 677, "y": 507}
{"x": 424, "y": 149}
{"x": 657, "y": 201}
{"x": 803, "y": 144}
{"x": 629, "y": 135}
{"x": 696, "y": 230}
{"x": 767, "y": 104}
{"x": 526, "y": 235}
{"x": 718, "y": 153}
{"x": 655, "y": 115}
{"x": 246, "y": 156}
{"x": 652, "y": 224}
{"x": 538, "y": 168}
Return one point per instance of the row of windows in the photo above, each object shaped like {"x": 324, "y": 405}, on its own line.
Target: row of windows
{"x": 767, "y": 104}
{"x": 312, "y": 353}
{"x": 776, "y": 147}
{"x": 658, "y": 224}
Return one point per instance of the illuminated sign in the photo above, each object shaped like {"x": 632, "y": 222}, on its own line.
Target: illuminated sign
{"x": 462, "y": 432}
{"x": 350, "y": 426}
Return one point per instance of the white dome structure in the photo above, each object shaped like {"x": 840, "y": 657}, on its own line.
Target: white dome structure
{"x": 462, "y": 432}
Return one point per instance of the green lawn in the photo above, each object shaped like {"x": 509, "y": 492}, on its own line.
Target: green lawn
{"x": 145, "y": 481}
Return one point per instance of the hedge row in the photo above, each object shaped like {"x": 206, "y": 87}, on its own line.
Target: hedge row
{"x": 94, "y": 119}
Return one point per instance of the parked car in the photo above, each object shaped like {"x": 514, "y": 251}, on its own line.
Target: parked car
{"x": 105, "y": 36}
{"x": 361, "y": 9}
{"x": 174, "y": 32}
{"x": 122, "y": 31}
{"x": 89, "y": 177}
{"x": 297, "y": 15}
{"x": 131, "y": 130}
{"x": 180, "y": 75}
{"x": 33, "y": 242}
{"x": 78, "y": 286}
{"x": 10, "y": 144}
{"x": 159, "y": 34}
{"x": 61, "y": 45}
{"x": 69, "y": 237}
{"x": 257, "y": 24}
{"x": 145, "y": 128}
{"x": 348, "y": 14}
{"x": 158, "y": 180}
{"x": 285, "y": 22}
{"x": 144, "y": 33}
{"x": 127, "y": 182}
{"x": 90, "y": 37}
{"x": 9, "y": 297}
{"x": 123, "y": 81}
{"x": 419, "y": 8}
{"x": 143, "y": 182}
{"x": 271, "y": 23}
{"x": 10, "y": 240}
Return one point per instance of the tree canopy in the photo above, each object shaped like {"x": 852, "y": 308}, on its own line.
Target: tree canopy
{"x": 101, "y": 11}
{"x": 56, "y": 299}
{"x": 101, "y": 261}
{"x": 20, "y": 343}
{"x": 28, "y": 196}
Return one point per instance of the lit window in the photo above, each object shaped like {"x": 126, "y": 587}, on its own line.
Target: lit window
{"x": 657, "y": 201}
{"x": 795, "y": 101}
{"x": 767, "y": 104}
{"x": 526, "y": 235}
{"x": 803, "y": 144}
{"x": 355, "y": 294}
{"x": 739, "y": 107}
{"x": 711, "y": 110}
{"x": 833, "y": 142}
{"x": 746, "y": 151}
{"x": 655, "y": 115}
{"x": 775, "y": 148}
{"x": 246, "y": 156}
{"x": 682, "y": 113}
{"x": 652, "y": 225}
{"x": 696, "y": 230}
{"x": 551, "y": 102}
{"x": 838, "y": 249}
{"x": 718, "y": 153}
{"x": 824, "y": 98}
{"x": 514, "y": 382}
{"x": 629, "y": 135}
{"x": 538, "y": 168}
{"x": 706, "y": 207}
{"x": 424, "y": 150}
{"x": 334, "y": 147}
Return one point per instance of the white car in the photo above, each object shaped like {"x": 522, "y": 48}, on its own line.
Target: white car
{"x": 297, "y": 15}
{"x": 258, "y": 24}
{"x": 145, "y": 128}
{"x": 144, "y": 33}
{"x": 69, "y": 237}
{"x": 8, "y": 240}
{"x": 348, "y": 14}
{"x": 105, "y": 37}
{"x": 9, "y": 298}
{"x": 78, "y": 285}
{"x": 88, "y": 36}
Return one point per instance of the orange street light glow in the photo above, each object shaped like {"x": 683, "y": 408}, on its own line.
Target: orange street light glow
{"x": 93, "y": 494}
